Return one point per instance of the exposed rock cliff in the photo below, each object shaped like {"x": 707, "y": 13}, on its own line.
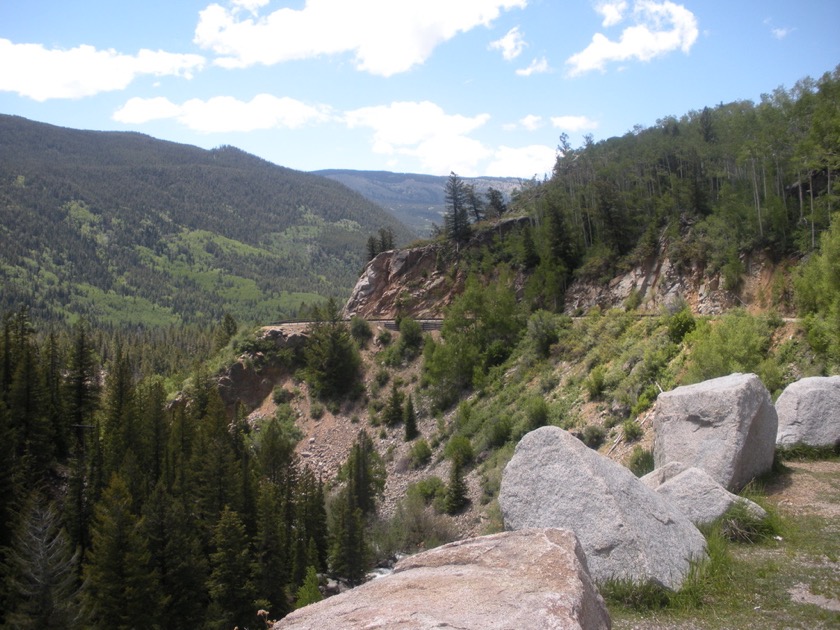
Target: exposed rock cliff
{"x": 422, "y": 281}
{"x": 419, "y": 282}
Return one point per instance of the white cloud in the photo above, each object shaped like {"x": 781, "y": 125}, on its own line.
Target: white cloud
{"x": 525, "y": 162}
{"x": 225, "y": 113}
{"x": 423, "y": 130}
{"x": 573, "y": 123}
{"x": 250, "y": 5}
{"x": 531, "y": 122}
{"x": 613, "y": 12}
{"x": 42, "y": 74}
{"x": 538, "y": 66}
{"x": 781, "y": 33}
{"x": 387, "y": 37}
{"x": 137, "y": 111}
{"x": 661, "y": 27}
{"x": 511, "y": 45}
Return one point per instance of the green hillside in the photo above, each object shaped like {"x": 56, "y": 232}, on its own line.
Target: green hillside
{"x": 416, "y": 200}
{"x": 124, "y": 229}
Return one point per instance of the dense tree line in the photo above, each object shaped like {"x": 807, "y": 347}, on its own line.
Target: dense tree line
{"x": 721, "y": 181}
{"x": 122, "y": 509}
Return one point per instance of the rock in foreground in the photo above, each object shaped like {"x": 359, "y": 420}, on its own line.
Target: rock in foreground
{"x": 725, "y": 426}
{"x": 530, "y": 579}
{"x": 626, "y": 530}
{"x": 809, "y": 413}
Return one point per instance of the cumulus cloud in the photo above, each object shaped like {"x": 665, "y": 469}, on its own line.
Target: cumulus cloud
{"x": 613, "y": 12}
{"x": 386, "y": 37}
{"x": 538, "y": 66}
{"x": 425, "y": 131}
{"x": 511, "y": 45}
{"x": 225, "y": 113}
{"x": 531, "y": 122}
{"x": 573, "y": 123}
{"x": 660, "y": 28}
{"x": 535, "y": 159}
{"x": 36, "y": 72}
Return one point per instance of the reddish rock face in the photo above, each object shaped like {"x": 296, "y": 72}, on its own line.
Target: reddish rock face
{"x": 419, "y": 282}
{"x": 529, "y": 579}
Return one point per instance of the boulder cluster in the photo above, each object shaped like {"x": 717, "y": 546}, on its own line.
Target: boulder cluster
{"x": 576, "y": 519}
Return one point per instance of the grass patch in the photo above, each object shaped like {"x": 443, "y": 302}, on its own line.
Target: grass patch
{"x": 744, "y": 584}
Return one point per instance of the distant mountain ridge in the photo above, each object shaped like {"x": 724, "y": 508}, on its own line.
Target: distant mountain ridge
{"x": 416, "y": 200}
{"x": 124, "y": 228}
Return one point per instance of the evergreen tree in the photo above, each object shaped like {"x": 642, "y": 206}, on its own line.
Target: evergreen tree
{"x": 176, "y": 555}
{"x": 214, "y": 466}
{"x": 410, "y": 420}
{"x": 271, "y": 569}
{"x": 332, "y": 359}
{"x": 456, "y": 491}
{"x": 348, "y": 546}
{"x": 121, "y": 588}
{"x": 474, "y": 202}
{"x": 496, "y": 206}
{"x": 308, "y": 593}
{"x": 456, "y": 220}
{"x": 365, "y": 474}
{"x": 231, "y": 589}
{"x": 393, "y": 412}
{"x": 119, "y": 423}
{"x": 225, "y": 331}
{"x": 41, "y": 572}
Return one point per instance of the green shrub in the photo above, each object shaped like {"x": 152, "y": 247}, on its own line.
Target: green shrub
{"x": 281, "y": 395}
{"x": 632, "y": 430}
{"x": 316, "y": 410}
{"x": 593, "y": 435}
{"x": 595, "y": 382}
{"x": 680, "y": 324}
{"x": 536, "y": 413}
{"x": 640, "y": 461}
{"x": 411, "y": 335}
{"x": 459, "y": 449}
{"x": 384, "y": 337}
{"x": 542, "y": 332}
{"x": 420, "y": 453}
{"x": 427, "y": 489}
{"x": 360, "y": 331}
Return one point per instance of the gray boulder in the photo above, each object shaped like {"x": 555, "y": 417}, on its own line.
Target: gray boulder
{"x": 725, "y": 426}
{"x": 809, "y": 412}
{"x": 695, "y": 493}
{"x": 530, "y": 579}
{"x": 627, "y": 531}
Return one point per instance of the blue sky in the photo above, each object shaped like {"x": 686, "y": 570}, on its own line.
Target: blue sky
{"x": 479, "y": 87}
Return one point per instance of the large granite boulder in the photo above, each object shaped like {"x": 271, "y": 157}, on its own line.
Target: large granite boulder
{"x": 725, "y": 426}
{"x": 530, "y": 579}
{"x": 809, "y": 412}
{"x": 627, "y": 531}
{"x": 696, "y": 494}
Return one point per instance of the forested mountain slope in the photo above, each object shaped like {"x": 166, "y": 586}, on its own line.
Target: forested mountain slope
{"x": 416, "y": 200}
{"x": 124, "y": 228}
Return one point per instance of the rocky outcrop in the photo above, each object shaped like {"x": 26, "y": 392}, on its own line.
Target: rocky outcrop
{"x": 251, "y": 378}
{"x": 627, "y": 531}
{"x": 530, "y": 579}
{"x": 419, "y": 282}
{"x": 725, "y": 426}
{"x": 656, "y": 282}
{"x": 698, "y": 496}
{"x": 809, "y": 413}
